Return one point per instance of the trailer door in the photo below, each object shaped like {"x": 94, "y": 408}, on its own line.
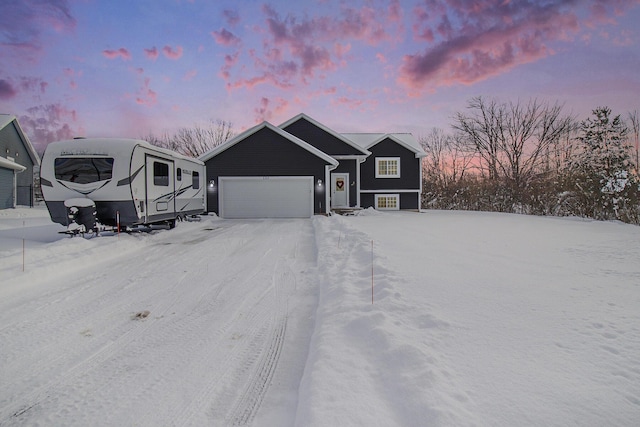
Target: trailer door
{"x": 160, "y": 192}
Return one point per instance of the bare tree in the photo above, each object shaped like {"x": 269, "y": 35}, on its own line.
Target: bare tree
{"x": 194, "y": 141}
{"x": 447, "y": 161}
{"x": 512, "y": 139}
{"x": 483, "y": 130}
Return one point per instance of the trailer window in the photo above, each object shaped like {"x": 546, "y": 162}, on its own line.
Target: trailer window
{"x": 83, "y": 170}
{"x": 161, "y": 174}
{"x": 196, "y": 180}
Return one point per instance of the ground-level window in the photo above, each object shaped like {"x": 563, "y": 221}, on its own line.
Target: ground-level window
{"x": 387, "y": 167}
{"x": 388, "y": 201}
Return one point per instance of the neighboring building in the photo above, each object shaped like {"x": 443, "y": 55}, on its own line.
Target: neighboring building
{"x": 18, "y": 162}
{"x": 303, "y": 168}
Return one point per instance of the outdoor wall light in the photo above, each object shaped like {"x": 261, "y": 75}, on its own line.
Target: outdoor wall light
{"x": 212, "y": 183}
{"x": 319, "y": 183}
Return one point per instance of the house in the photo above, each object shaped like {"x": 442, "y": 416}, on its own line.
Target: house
{"x": 302, "y": 168}
{"x": 18, "y": 162}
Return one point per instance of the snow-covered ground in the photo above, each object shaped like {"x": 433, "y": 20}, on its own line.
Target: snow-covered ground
{"x": 477, "y": 319}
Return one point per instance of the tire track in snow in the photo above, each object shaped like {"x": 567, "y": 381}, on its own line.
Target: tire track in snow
{"x": 250, "y": 364}
{"x": 19, "y": 404}
{"x": 214, "y": 337}
{"x": 22, "y": 404}
{"x": 258, "y": 383}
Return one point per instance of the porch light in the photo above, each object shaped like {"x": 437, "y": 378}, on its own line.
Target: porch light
{"x": 212, "y": 183}
{"x": 319, "y": 183}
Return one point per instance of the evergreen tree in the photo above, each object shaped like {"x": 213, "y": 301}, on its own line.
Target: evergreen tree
{"x": 601, "y": 173}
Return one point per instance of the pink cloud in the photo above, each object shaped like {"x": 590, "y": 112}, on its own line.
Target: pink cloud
{"x": 145, "y": 95}
{"x": 119, "y": 53}
{"x": 488, "y": 39}
{"x": 267, "y": 109}
{"x": 231, "y": 16}
{"x": 33, "y": 84}
{"x": 7, "y": 91}
{"x": 151, "y": 53}
{"x": 170, "y": 53}
{"x": 299, "y": 49}
{"x": 23, "y": 24}
{"x": 190, "y": 75}
{"x": 48, "y": 123}
{"x": 469, "y": 42}
{"x": 225, "y": 38}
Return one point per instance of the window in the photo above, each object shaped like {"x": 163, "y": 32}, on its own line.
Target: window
{"x": 161, "y": 174}
{"x": 196, "y": 180}
{"x": 387, "y": 167}
{"x": 388, "y": 202}
{"x": 83, "y": 170}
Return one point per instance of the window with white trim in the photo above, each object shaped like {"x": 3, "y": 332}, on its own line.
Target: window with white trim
{"x": 387, "y": 202}
{"x": 387, "y": 167}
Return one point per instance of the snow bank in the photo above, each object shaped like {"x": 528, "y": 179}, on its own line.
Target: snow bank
{"x": 478, "y": 319}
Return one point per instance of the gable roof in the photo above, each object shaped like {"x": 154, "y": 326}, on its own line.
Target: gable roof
{"x": 6, "y": 120}
{"x": 230, "y": 143}
{"x": 331, "y": 132}
{"x": 406, "y": 140}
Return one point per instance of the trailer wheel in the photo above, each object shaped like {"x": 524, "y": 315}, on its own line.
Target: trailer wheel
{"x": 172, "y": 224}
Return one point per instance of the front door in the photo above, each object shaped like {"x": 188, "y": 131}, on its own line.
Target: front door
{"x": 339, "y": 190}
{"x": 160, "y": 188}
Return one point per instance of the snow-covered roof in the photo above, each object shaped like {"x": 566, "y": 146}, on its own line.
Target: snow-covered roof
{"x": 244, "y": 135}
{"x": 368, "y": 140}
{"x": 5, "y": 120}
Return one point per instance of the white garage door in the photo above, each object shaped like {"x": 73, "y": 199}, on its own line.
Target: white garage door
{"x": 266, "y": 197}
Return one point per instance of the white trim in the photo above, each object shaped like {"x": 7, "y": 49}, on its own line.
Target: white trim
{"x": 244, "y": 135}
{"x": 359, "y": 181}
{"x": 377, "y": 197}
{"x": 330, "y": 131}
{"x": 327, "y": 196}
{"x": 5, "y": 120}
{"x": 368, "y": 140}
{"x": 387, "y": 159}
{"x": 346, "y": 189}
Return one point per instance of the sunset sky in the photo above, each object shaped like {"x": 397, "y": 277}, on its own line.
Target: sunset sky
{"x": 129, "y": 68}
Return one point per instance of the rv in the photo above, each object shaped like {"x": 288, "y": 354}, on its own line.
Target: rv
{"x": 122, "y": 182}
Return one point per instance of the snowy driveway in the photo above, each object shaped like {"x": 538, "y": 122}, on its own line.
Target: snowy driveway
{"x": 171, "y": 328}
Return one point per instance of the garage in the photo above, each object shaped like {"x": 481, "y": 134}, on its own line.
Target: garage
{"x": 266, "y": 172}
{"x": 266, "y": 197}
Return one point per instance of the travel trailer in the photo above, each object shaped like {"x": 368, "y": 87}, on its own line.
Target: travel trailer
{"x": 119, "y": 182}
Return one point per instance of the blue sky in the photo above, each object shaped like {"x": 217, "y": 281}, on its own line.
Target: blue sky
{"x": 130, "y": 68}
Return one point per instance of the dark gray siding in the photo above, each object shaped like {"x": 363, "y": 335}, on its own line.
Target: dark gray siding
{"x": 409, "y": 168}
{"x": 265, "y": 153}
{"x": 319, "y": 138}
{"x": 11, "y": 145}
